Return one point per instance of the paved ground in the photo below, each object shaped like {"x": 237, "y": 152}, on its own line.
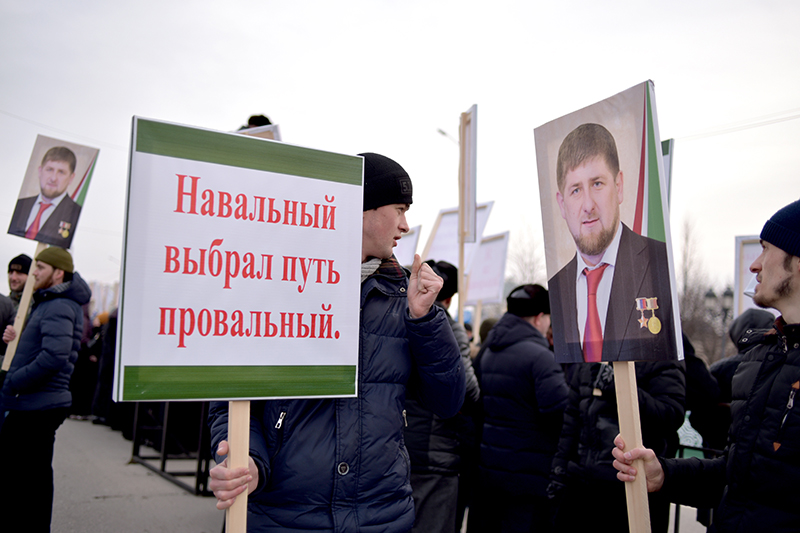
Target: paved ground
{"x": 98, "y": 490}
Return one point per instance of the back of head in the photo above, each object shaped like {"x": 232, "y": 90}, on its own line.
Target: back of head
{"x": 57, "y": 258}
{"x": 783, "y": 229}
{"x": 750, "y": 319}
{"x": 528, "y": 300}
{"x": 385, "y": 182}
{"x": 449, "y": 275}
{"x": 486, "y": 327}
{"x": 584, "y": 143}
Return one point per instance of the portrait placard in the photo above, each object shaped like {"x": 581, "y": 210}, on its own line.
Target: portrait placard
{"x": 53, "y": 191}
{"x": 607, "y": 236}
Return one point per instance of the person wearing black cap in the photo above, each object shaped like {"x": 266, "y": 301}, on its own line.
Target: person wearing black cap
{"x": 35, "y": 391}
{"x": 341, "y": 464}
{"x": 18, "y": 269}
{"x": 439, "y": 448}
{"x": 753, "y": 485}
{"x": 524, "y": 395}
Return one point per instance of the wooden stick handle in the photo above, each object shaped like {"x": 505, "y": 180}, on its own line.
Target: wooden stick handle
{"x": 22, "y": 311}
{"x": 238, "y": 456}
{"x": 630, "y": 428}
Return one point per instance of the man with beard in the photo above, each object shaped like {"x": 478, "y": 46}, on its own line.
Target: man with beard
{"x": 612, "y": 301}
{"x": 35, "y": 393}
{"x": 753, "y": 485}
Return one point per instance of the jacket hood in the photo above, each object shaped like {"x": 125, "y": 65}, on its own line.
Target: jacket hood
{"x": 750, "y": 319}
{"x": 511, "y": 329}
{"x": 76, "y": 290}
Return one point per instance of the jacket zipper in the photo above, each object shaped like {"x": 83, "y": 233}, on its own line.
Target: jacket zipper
{"x": 789, "y": 406}
{"x": 279, "y": 436}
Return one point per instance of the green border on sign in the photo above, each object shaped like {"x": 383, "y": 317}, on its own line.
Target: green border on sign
{"x": 149, "y": 383}
{"x": 182, "y": 142}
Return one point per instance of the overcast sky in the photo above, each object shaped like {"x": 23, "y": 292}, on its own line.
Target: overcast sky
{"x": 384, "y": 76}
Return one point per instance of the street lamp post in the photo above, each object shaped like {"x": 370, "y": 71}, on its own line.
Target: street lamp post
{"x": 722, "y": 308}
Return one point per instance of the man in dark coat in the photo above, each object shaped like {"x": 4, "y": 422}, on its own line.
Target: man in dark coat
{"x": 35, "y": 391}
{"x": 51, "y": 216}
{"x": 438, "y": 447}
{"x": 524, "y": 396}
{"x": 753, "y": 485}
{"x": 340, "y": 465}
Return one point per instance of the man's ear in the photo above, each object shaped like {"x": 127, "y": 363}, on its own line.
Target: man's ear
{"x": 620, "y": 186}
{"x": 58, "y": 276}
{"x": 560, "y": 200}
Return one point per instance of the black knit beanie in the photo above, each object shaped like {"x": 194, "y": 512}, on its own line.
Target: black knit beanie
{"x": 21, "y": 263}
{"x": 385, "y": 182}
{"x": 528, "y": 300}
{"x": 783, "y": 229}
{"x": 449, "y": 274}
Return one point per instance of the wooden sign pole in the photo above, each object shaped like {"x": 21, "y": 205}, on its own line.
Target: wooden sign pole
{"x": 462, "y": 167}
{"x": 238, "y": 456}
{"x": 631, "y": 430}
{"x": 22, "y": 310}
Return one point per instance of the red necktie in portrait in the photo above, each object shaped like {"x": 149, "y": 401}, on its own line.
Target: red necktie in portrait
{"x": 34, "y": 229}
{"x": 593, "y": 332}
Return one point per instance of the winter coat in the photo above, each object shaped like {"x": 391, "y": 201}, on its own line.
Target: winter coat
{"x": 39, "y": 375}
{"x": 582, "y": 466}
{"x": 340, "y": 465}
{"x": 436, "y": 445}
{"x": 524, "y": 395}
{"x": 754, "y": 484}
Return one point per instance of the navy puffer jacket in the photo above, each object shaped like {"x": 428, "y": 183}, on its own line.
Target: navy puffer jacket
{"x": 524, "y": 395}
{"x": 340, "y": 465}
{"x": 39, "y": 375}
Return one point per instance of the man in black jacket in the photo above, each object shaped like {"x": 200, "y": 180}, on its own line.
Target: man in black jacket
{"x": 439, "y": 447}
{"x": 754, "y": 484}
{"x": 524, "y": 396}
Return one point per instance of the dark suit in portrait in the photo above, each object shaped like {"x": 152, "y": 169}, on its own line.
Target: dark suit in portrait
{"x": 57, "y": 230}
{"x": 641, "y": 272}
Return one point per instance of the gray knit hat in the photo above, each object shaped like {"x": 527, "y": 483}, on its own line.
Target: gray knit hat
{"x": 783, "y": 229}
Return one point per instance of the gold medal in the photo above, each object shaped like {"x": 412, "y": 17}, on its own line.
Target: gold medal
{"x": 654, "y": 325}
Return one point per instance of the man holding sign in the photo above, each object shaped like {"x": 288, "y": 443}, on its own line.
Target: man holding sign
{"x": 340, "y": 464}
{"x": 35, "y": 392}
{"x": 753, "y": 486}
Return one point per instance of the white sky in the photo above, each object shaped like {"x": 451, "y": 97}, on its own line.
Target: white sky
{"x": 383, "y": 76}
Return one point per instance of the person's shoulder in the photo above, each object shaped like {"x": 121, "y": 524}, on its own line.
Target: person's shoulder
{"x": 563, "y": 274}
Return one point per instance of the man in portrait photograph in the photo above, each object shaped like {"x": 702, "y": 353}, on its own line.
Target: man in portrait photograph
{"x": 612, "y": 301}
{"x": 51, "y": 216}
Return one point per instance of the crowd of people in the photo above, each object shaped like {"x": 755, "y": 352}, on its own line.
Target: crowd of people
{"x": 504, "y": 433}
{"x": 495, "y": 435}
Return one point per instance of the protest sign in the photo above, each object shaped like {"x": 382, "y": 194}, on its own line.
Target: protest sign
{"x": 487, "y": 276}
{"x": 241, "y": 261}
{"x": 443, "y": 244}
{"x": 637, "y": 310}
{"x": 53, "y": 191}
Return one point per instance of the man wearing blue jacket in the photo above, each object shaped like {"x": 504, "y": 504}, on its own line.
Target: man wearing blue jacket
{"x": 35, "y": 391}
{"x": 337, "y": 465}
